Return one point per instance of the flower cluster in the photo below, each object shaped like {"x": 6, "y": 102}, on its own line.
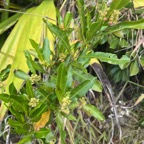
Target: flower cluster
{"x": 82, "y": 102}
{"x": 35, "y": 78}
{"x": 33, "y": 102}
{"x": 64, "y": 105}
{"x": 44, "y": 64}
{"x": 114, "y": 17}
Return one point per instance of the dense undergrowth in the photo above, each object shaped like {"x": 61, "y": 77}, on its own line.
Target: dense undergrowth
{"x": 77, "y": 78}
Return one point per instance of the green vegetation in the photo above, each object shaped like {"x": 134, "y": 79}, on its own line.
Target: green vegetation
{"x": 55, "y": 69}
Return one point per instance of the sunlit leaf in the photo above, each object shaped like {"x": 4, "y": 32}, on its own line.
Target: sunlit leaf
{"x": 140, "y": 99}
{"x": 134, "y": 68}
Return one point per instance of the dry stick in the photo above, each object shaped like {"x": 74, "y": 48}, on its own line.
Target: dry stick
{"x": 108, "y": 91}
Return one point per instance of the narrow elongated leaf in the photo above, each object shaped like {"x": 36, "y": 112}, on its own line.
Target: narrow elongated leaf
{"x": 67, "y": 19}
{"x": 59, "y": 33}
{"x": 93, "y": 111}
{"x": 109, "y": 58}
{"x": 29, "y": 89}
{"x": 82, "y": 88}
{"x": 46, "y": 50}
{"x": 37, "y": 48}
{"x": 80, "y": 4}
{"x": 5, "y": 25}
{"x": 62, "y": 77}
{"x": 140, "y": 99}
{"x": 126, "y": 25}
{"x": 94, "y": 27}
{"x": 81, "y": 76}
{"x": 21, "y": 74}
{"x": 60, "y": 125}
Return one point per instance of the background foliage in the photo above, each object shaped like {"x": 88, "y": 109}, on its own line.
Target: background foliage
{"x": 57, "y": 92}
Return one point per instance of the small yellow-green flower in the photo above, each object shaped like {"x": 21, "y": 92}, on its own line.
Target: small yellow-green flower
{"x": 35, "y": 78}
{"x": 33, "y": 102}
{"x": 82, "y": 102}
{"x": 64, "y": 105}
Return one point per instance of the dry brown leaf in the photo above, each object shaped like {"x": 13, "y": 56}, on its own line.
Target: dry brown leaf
{"x": 139, "y": 99}
{"x": 43, "y": 121}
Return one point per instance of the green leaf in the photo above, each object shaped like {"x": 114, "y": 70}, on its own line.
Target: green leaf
{"x": 93, "y": 111}
{"x": 5, "y": 25}
{"x": 81, "y": 76}
{"x": 37, "y": 112}
{"x": 82, "y": 88}
{"x": 35, "y": 65}
{"x": 61, "y": 77}
{"x": 142, "y": 60}
{"x": 118, "y": 4}
{"x": 59, "y": 33}
{"x": 125, "y": 25}
{"x": 123, "y": 43}
{"x": 46, "y": 50}
{"x": 12, "y": 89}
{"x": 5, "y": 97}
{"x": 80, "y": 4}
{"x": 21, "y": 74}
{"x": 69, "y": 77}
{"x": 94, "y": 27}
{"x": 109, "y": 58}
{"x": 18, "y": 102}
{"x": 134, "y": 68}
{"x": 27, "y": 138}
{"x": 29, "y": 89}
{"x": 60, "y": 125}
{"x": 42, "y": 133}
{"x": 37, "y": 48}
{"x": 4, "y": 73}
{"x": 67, "y": 19}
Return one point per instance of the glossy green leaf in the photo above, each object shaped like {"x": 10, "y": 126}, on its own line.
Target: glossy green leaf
{"x": 4, "y": 73}
{"x": 37, "y": 48}
{"x": 21, "y": 74}
{"x": 61, "y": 77}
{"x": 12, "y": 89}
{"x": 93, "y": 111}
{"x": 82, "y": 88}
{"x": 59, "y": 33}
{"x": 29, "y": 89}
{"x": 67, "y": 19}
{"x": 134, "y": 68}
{"x": 81, "y": 76}
{"x": 109, "y": 58}
{"x": 46, "y": 50}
